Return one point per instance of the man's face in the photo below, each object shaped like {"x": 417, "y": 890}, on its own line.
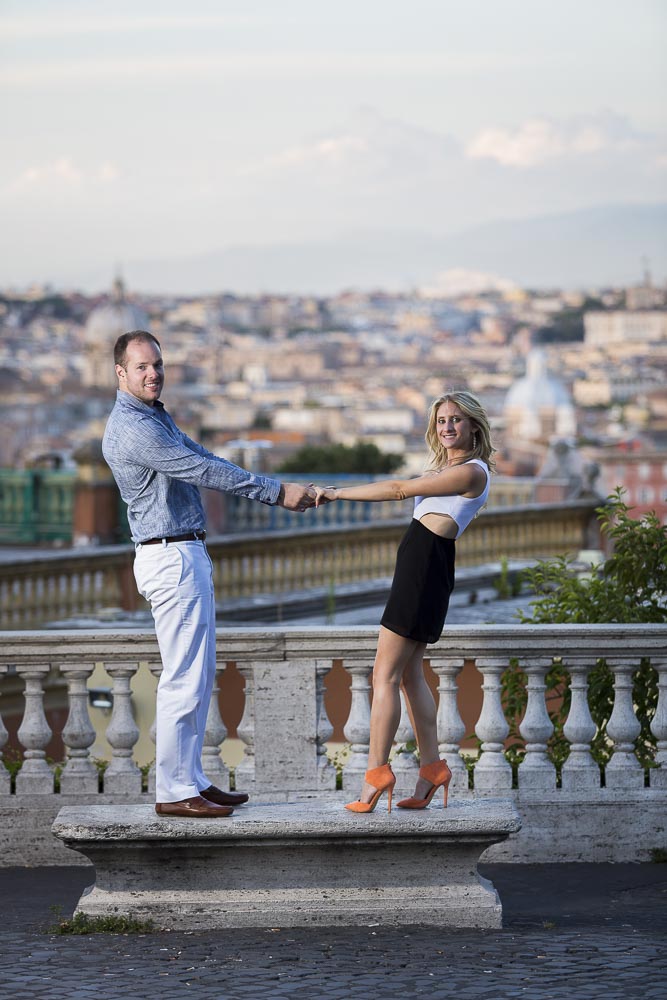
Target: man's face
{"x": 143, "y": 374}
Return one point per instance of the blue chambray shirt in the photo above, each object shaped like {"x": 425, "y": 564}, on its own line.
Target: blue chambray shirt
{"x": 158, "y": 470}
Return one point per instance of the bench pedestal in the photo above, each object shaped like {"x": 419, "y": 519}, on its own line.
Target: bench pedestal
{"x": 290, "y": 865}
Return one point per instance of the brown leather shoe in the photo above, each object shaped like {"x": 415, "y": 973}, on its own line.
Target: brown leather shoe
{"x": 221, "y": 798}
{"x": 196, "y": 806}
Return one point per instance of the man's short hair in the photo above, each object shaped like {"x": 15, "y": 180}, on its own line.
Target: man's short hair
{"x": 120, "y": 347}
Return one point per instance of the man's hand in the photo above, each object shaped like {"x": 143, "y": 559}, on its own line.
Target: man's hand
{"x": 296, "y": 496}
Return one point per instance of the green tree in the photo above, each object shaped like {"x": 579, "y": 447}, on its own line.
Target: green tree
{"x": 630, "y": 586}
{"x": 262, "y": 421}
{"x": 362, "y": 458}
{"x": 568, "y": 325}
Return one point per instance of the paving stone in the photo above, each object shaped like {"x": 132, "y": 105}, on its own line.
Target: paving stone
{"x": 608, "y": 940}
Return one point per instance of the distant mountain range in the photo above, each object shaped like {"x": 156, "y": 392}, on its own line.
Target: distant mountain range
{"x": 593, "y": 247}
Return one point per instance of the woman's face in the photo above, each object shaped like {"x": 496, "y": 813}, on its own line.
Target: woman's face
{"x": 454, "y": 429}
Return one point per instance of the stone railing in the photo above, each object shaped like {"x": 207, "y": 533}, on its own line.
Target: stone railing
{"x": 285, "y": 728}
{"x": 39, "y": 587}
{"x": 35, "y": 589}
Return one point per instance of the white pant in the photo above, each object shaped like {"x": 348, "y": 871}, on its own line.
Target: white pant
{"x": 177, "y": 579}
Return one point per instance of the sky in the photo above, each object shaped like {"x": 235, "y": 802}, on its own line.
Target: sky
{"x": 152, "y": 130}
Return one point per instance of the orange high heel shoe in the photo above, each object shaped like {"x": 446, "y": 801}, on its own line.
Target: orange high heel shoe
{"x": 438, "y": 774}
{"x": 382, "y": 778}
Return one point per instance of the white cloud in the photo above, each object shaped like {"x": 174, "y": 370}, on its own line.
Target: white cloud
{"x": 378, "y": 170}
{"x": 61, "y": 170}
{"x": 542, "y": 139}
{"x": 327, "y": 152}
{"x": 533, "y": 143}
{"x": 107, "y": 173}
{"x": 62, "y": 174}
{"x": 370, "y": 148}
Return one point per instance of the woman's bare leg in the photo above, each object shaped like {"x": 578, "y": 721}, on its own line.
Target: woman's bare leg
{"x": 392, "y": 657}
{"x": 423, "y": 714}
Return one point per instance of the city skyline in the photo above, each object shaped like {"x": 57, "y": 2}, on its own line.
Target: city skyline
{"x": 258, "y": 378}
{"x": 148, "y": 134}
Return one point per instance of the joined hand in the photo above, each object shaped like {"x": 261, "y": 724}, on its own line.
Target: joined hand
{"x": 325, "y": 494}
{"x": 296, "y": 496}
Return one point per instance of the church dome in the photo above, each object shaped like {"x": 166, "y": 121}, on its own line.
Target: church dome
{"x": 105, "y": 325}
{"x": 107, "y": 322}
{"x": 539, "y": 402}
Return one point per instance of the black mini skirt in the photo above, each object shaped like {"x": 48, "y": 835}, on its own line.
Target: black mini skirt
{"x": 423, "y": 581}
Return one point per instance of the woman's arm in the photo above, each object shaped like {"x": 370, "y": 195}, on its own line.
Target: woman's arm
{"x": 456, "y": 480}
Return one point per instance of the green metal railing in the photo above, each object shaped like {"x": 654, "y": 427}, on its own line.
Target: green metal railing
{"x": 36, "y": 505}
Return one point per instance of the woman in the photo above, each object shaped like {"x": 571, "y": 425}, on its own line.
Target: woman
{"x": 447, "y": 498}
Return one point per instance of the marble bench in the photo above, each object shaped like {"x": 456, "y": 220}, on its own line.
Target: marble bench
{"x": 291, "y": 864}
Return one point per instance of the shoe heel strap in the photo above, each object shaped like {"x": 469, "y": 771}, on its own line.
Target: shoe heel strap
{"x": 435, "y": 772}
{"x": 380, "y": 777}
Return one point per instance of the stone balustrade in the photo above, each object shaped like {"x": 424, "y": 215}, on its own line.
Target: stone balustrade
{"x": 587, "y": 814}
{"x": 50, "y": 586}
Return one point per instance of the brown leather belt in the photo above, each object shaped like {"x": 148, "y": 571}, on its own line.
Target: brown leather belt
{"x": 192, "y": 536}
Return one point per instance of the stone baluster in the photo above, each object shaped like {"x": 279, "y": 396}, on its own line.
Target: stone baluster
{"x": 623, "y": 770}
{"x": 536, "y": 772}
{"x": 5, "y": 780}
{"x": 493, "y": 774}
{"x": 451, "y": 729}
{"x": 245, "y": 771}
{"x": 358, "y": 726}
{"x": 580, "y": 772}
{"x": 79, "y": 774}
{"x": 122, "y": 776}
{"x": 214, "y": 734}
{"x": 658, "y": 775}
{"x": 155, "y": 668}
{"x": 326, "y": 772}
{"x": 405, "y": 765}
{"x": 35, "y": 776}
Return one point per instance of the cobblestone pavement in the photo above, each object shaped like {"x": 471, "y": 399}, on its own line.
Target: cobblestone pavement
{"x": 571, "y": 931}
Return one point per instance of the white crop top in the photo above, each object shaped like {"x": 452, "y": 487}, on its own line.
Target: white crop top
{"x": 460, "y": 509}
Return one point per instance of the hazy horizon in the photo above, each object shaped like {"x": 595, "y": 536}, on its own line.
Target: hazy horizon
{"x": 151, "y": 133}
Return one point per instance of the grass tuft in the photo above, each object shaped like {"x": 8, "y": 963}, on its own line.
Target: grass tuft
{"x": 81, "y": 923}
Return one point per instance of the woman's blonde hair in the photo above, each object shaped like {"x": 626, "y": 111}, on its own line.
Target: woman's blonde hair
{"x": 473, "y": 409}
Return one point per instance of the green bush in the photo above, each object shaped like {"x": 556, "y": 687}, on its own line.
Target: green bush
{"x": 630, "y": 586}
{"x": 363, "y": 458}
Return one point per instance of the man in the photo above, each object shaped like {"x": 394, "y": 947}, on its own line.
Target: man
{"x": 158, "y": 470}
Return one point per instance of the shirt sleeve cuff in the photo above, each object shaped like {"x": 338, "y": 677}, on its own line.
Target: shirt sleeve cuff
{"x": 272, "y": 491}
